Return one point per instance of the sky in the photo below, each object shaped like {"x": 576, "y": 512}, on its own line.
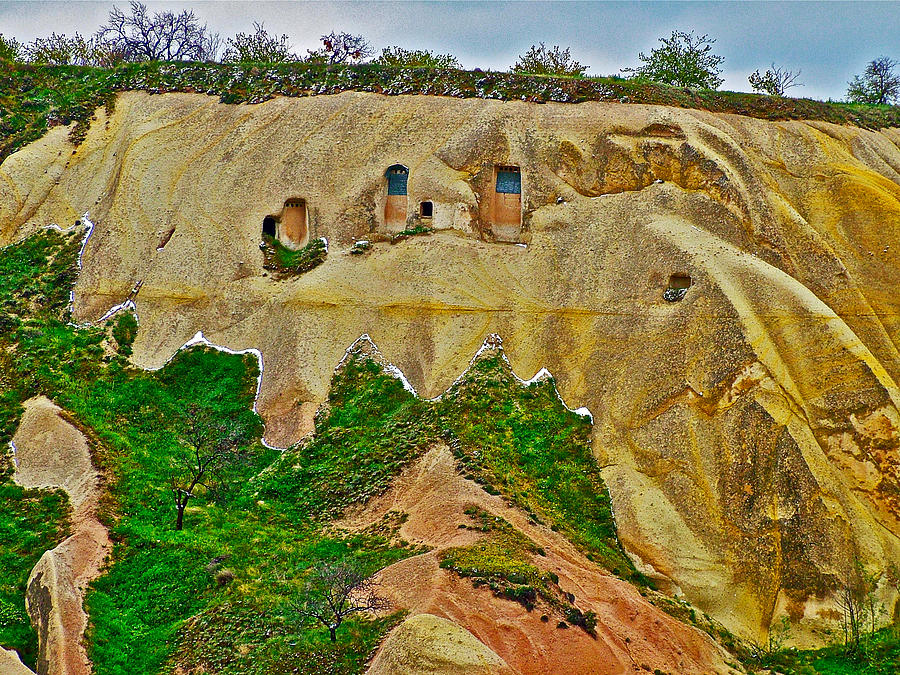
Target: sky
{"x": 828, "y": 41}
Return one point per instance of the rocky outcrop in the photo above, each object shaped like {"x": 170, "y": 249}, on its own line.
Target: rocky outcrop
{"x": 749, "y": 432}
{"x": 50, "y": 452}
{"x": 10, "y": 664}
{"x": 429, "y": 645}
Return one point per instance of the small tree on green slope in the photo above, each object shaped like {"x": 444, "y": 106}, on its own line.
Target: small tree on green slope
{"x": 775, "y": 81}
{"x": 398, "y": 57}
{"x": 539, "y": 60}
{"x": 205, "y": 449}
{"x": 683, "y": 60}
{"x": 334, "y": 591}
{"x": 879, "y": 83}
{"x": 258, "y": 47}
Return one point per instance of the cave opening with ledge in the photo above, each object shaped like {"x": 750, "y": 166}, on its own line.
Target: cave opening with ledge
{"x": 677, "y": 288}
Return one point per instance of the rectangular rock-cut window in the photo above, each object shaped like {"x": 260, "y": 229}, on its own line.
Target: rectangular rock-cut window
{"x": 509, "y": 180}
{"x": 426, "y": 209}
{"x": 397, "y": 181}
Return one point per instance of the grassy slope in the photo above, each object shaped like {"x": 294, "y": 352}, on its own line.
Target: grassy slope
{"x": 33, "y": 98}
{"x": 166, "y": 601}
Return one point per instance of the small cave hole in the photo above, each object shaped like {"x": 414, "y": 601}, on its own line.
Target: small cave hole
{"x": 678, "y": 287}
{"x": 426, "y": 209}
{"x": 269, "y": 226}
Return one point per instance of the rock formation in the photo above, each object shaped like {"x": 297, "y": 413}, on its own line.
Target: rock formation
{"x": 429, "y": 645}
{"x": 749, "y": 431}
{"x": 50, "y": 452}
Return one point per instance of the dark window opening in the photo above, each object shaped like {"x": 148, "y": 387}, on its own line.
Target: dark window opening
{"x": 678, "y": 287}
{"x": 509, "y": 180}
{"x": 426, "y": 209}
{"x": 269, "y": 226}
{"x": 397, "y": 176}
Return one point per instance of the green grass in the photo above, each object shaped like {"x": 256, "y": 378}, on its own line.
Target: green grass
{"x": 878, "y": 655}
{"x": 31, "y": 521}
{"x": 372, "y": 427}
{"x": 287, "y": 262}
{"x": 521, "y": 441}
{"x": 34, "y": 98}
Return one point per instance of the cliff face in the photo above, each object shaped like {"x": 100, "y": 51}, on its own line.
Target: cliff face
{"x": 749, "y": 431}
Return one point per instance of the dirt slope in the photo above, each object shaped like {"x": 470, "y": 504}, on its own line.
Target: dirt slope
{"x": 749, "y": 432}
{"x": 50, "y": 452}
{"x": 631, "y": 631}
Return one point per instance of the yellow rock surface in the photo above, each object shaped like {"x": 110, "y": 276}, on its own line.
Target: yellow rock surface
{"x": 749, "y": 432}
{"x": 429, "y": 645}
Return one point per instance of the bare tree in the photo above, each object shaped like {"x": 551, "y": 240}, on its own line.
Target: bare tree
{"x": 163, "y": 36}
{"x": 539, "y": 60}
{"x": 341, "y": 48}
{"x": 258, "y": 47}
{"x": 879, "y": 83}
{"x": 775, "y": 81}
{"x": 857, "y": 602}
{"x": 334, "y": 591}
{"x": 205, "y": 449}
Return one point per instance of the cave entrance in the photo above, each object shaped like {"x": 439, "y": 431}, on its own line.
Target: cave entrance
{"x": 426, "y": 209}
{"x": 506, "y": 207}
{"x": 269, "y": 226}
{"x": 294, "y": 230}
{"x": 677, "y": 288}
{"x": 397, "y": 201}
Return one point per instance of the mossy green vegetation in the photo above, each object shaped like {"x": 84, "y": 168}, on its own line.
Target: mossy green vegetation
{"x": 34, "y": 98}
{"x": 370, "y": 428}
{"x": 287, "y": 262}
{"x": 521, "y": 440}
{"x": 879, "y": 654}
{"x": 503, "y": 561}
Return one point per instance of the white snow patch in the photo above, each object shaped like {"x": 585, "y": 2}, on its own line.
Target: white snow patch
{"x": 391, "y": 369}
{"x": 584, "y": 412}
{"x": 128, "y": 304}
{"x": 15, "y": 457}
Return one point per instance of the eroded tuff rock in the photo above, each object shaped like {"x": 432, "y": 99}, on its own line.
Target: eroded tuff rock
{"x": 749, "y": 432}
{"x": 427, "y": 644}
{"x": 51, "y": 452}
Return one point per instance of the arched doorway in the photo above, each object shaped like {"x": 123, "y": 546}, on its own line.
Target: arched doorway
{"x": 294, "y": 231}
{"x": 396, "y": 204}
{"x": 269, "y": 226}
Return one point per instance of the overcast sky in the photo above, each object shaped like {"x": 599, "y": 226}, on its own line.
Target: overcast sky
{"x": 828, "y": 41}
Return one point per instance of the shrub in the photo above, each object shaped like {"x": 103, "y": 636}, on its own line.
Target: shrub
{"x": 539, "y": 60}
